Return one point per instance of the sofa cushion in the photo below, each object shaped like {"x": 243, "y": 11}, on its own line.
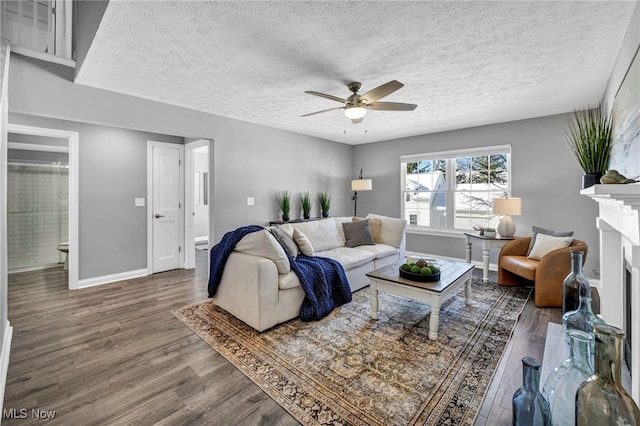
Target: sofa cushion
{"x": 288, "y": 281}
{"x": 323, "y": 234}
{"x": 547, "y": 243}
{"x": 262, "y": 243}
{"x": 285, "y": 240}
{"x": 391, "y": 229}
{"x": 348, "y": 257}
{"x": 535, "y": 230}
{"x": 376, "y": 228}
{"x": 380, "y": 250}
{"x": 339, "y": 221}
{"x": 303, "y": 243}
{"x": 357, "y": 233}
{"x": 520, "y": 265}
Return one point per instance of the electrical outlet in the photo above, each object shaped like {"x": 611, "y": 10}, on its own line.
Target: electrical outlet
{"x": 250, "y": 201}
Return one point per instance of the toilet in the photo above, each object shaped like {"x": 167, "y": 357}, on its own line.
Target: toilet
{"x": 64, "y": 248}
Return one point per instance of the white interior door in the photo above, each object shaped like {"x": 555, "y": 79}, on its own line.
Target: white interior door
{"x": 166, "y": 203}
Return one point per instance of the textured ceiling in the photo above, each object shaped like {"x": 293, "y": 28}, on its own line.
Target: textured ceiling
{"x": 464, "y": 63}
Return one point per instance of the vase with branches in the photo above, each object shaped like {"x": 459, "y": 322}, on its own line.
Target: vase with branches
{"x": 284, "y": 202}
{"x": 589, "y": 138}
{"x": 325, "y": 203}
{"x": 305, "y": 202}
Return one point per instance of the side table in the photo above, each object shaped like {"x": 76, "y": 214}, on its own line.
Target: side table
{"x": 487, "y": 244}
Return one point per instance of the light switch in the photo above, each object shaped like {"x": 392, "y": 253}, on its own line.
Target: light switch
{"x": 250, "y": 201}
{"x": 139, "y": 202}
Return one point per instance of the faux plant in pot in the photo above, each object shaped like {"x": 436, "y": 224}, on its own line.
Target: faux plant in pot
{"x": 325, "y": 203}
{"x": 305, "y": 202}
{"x": 490, "y": 232}
{"x": 284, "y": 201}
{"x": 589, "y": 138}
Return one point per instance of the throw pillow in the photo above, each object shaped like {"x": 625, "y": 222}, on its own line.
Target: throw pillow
{"x": 263, "y": 243}
{"x": 303, "y": 243}
{"x": 392, "y": 230}
{"x": 376, "y": 228}
{"x": 285, "y": 240}
{"x": 358, "y": 233}
{"x": 535, "y": 230}
{"x": 547, "y": 243}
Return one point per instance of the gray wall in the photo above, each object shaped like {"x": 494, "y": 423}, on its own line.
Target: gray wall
{"x": 544, "y": 174}
{"x": 112, "y": 173}
{"x": 245, "y": 159}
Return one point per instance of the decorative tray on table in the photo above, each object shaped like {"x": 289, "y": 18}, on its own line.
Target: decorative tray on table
{"x": 420, "y": 270}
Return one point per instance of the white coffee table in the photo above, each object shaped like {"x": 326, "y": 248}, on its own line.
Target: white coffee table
{"x": 453, "y": 275}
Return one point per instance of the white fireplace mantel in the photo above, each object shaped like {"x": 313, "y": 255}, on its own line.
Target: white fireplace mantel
{"x": 619, "y": 225}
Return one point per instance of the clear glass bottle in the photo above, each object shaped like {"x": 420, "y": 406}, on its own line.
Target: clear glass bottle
{"x": 575, "y": 284}
{"x": 560, "y": 387}
{"x": 582, "y": 319}
{"x": 529, "y": 406}
{"x": 601, "y": 399}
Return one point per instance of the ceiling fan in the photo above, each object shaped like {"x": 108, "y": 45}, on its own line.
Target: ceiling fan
{"x": 356, "y": 105}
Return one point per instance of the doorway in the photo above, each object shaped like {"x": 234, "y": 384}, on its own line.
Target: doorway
{"x": 197, "y": 200}
{"x": 21, "y": 134}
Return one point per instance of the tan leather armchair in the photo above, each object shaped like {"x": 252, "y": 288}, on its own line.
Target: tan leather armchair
{"x": 546, "y": 274}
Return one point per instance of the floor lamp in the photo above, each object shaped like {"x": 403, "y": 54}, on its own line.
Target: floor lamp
{"x": 359, "y": 185}
{"x": 507, "y": 207}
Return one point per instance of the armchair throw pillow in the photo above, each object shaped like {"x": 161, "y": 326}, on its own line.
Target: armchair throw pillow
{"x": 535, "y": 230}
{"x": 547, "y": 243}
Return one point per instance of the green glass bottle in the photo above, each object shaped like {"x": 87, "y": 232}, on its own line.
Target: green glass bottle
{"x": 601, "y": 399}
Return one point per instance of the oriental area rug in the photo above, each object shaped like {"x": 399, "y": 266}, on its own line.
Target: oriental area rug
{"x": 349, "y": 369}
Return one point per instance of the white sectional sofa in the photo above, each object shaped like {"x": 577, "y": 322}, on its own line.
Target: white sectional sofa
{"x": 258, "y": 286}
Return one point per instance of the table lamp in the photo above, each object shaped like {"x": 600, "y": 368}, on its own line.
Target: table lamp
{"x": 359, "y": 185}
{"x": 507, "y": 207}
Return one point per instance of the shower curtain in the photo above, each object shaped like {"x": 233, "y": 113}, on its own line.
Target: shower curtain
{"x": 37, "y": 214}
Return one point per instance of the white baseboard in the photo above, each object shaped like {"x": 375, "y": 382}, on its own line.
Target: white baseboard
{"x": 204, "y": 239}
{"x": 106, "y": 279}
{"x": 4, "y": 360}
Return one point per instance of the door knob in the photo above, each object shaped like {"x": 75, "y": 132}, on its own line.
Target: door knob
{"x": 158, "y": 215}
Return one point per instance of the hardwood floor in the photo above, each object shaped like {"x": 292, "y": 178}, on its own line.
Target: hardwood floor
{"x": 114, "y": 354}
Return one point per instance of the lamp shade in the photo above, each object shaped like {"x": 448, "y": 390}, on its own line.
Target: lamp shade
{"x": 361, "y": 185}
{"x": 511, "y": 206}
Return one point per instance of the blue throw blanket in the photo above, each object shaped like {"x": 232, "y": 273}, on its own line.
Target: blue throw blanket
{"x": 323, "y": 280}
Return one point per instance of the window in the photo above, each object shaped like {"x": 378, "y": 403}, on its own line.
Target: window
{"x": 454, "y": 189}
{"x": 42, "y": 26}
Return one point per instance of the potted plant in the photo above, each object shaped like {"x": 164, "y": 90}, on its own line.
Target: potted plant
{"x": 490, "y": 232}
{"x": 284, "y": 201}
{"x": 325, "y": 203}
{"x": 589, "y": 137}
{"x": 305, "y": 202}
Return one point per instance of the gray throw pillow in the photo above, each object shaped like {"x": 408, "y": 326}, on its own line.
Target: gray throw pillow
{"x": 286, "y": 241}
{"x": 358, "y": 233}
{"x": 535, "y": 230}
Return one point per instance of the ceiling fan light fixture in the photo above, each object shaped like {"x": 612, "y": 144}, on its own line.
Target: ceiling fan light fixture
{"x": 354, "y": 112}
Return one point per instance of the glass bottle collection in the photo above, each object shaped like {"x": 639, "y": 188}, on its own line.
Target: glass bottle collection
{"x": 586, "y": 389}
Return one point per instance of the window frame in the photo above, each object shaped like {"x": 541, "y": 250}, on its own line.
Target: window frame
{"x": 450, "y": 156}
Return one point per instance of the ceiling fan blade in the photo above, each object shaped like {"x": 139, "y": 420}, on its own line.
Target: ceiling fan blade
{"x": 324, "y": 95}
{"x": 357, "y": 120}
{"x": 391, "y": 106}
{"x": 320, "y": 112}
{"x": 382, "y": 91}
